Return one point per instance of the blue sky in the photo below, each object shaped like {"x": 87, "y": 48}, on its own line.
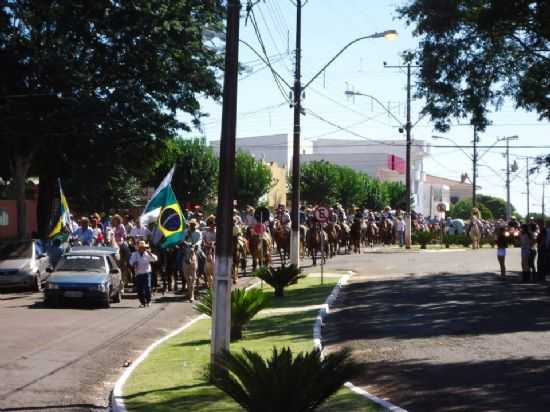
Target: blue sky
{"x": 328, "y": 25}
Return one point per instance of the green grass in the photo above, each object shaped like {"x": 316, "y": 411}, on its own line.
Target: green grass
{"x": 173, "y": 376}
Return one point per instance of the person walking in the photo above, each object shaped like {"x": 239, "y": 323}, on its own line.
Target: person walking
{"x": 141, "y": 262}
{"x": 400, "y": 229}
{"x": 528, "y": 250}
{"x": 502, "y": 239}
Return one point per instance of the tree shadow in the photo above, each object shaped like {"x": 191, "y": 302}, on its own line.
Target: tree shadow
{"x": 439, "y": 305}
{"x": 516, "y": 385}
{"x": 299, "y": 325}
{"x": 173, "y": 388}
{"x": 75, "y": 407}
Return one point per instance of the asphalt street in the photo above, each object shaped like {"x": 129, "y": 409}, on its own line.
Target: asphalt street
{"x": 439, "y": 331}
{"x": 68, "y": 358}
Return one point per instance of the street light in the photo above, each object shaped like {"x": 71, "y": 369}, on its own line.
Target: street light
{"x": 298, "y": 90}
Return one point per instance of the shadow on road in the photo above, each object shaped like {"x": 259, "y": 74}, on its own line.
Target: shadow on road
{"x": 78, "y": 407}
{"x": 443, "y": 304}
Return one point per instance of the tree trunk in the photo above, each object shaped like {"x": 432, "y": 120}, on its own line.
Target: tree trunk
{"x": 46, "y": 196}
{"x": 20, "y": 168}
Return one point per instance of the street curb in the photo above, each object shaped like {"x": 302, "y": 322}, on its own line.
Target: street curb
{"x": 117, "y": 398}
{"x": 318, "y": 344}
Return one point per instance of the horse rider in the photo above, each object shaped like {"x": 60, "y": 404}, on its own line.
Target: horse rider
{"x": 249, "y": 219}
{"x": 193, "y": 238}
{"x": 283, "y": 216}
{"x": 209, "y": 233}
{"x": 340, "y": 213}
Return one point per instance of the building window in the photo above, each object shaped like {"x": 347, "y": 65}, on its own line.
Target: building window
{"x": 4, "y": 217}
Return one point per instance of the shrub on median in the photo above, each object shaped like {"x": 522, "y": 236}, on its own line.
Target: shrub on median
{"x": 245, "y": 304}
{"x": 284, "y": 383}
{"x": 280, "y": 278}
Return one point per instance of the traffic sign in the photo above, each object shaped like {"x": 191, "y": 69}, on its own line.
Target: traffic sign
{"x": 322, "y": 214}
{"x": 259, "y": 229}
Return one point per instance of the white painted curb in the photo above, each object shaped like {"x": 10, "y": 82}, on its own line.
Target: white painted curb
{"x": 318, "y": 344}
{"x": 117, "y": 400}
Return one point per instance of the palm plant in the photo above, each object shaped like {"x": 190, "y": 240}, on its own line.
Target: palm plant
{"x": 284, "y": 383}
{"x": 280, "y": 278}
{"x": 245, "y": 304}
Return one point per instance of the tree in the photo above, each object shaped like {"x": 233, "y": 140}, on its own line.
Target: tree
{"x": 376, "y": 196}
{"x": 496, "y": 205}
{"x": 118, "y": 73}
{"x": 319, "y": 182}
{"x": 396, "y": 193}
{"x": 351, "y": 186}
{"x": 463, "y": 210}
{"x": 253, "y": 179}
{"x": 195, "y": 178}
{"x": 473, "y": 54}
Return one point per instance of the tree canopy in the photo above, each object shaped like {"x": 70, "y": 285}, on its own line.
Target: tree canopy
{"x": 474, "y": 54}
{"x": 253, "y": 179}
{"x": 463, "y": 210}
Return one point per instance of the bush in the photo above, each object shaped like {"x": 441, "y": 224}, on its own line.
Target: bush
{"x": 423, "y": 238}
{"x": 245, "y": 304}
{"x": 284, "y": 383}
{"x": 280, "y": 278}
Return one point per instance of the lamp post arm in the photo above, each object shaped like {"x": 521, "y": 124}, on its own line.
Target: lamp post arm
{"x": 489, "y": 148}
{"x": 457, "y": 146}
{"x": 267, "y": 63}
{"x": 375, "y": 35}
{"x": 399, "y": 121}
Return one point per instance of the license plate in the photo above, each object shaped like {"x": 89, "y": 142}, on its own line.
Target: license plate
{"x": 73, "y": 294}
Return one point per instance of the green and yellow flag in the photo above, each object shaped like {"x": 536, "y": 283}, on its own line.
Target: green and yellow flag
{"x": 171, "y": 221}
{"x": 63, "y": 225}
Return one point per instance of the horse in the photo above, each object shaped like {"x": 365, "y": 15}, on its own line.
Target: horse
{"x": 281, "y": 236}
{"x": 169, "y": 269}
{"x": 332, "y": 235}
{"x": 370, "y": 233}
{"x": 475, "y": 232}
{"x": 209, "y": 267}
{"x": 240, "y": 251}
{"x": 344, "y": 238}
{"x": 315, "y": 237}
{"x": 260, "y": 248}
{"x": 189, "y": 268}
{"x": 355, "y": 236}
{"x": 303, "y": 234}
{"x": 386, "y": 232}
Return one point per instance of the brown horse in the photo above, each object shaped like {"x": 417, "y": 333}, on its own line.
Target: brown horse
{"x": 240, "y": 251}
{"x": 316, "y": 237}
{"x": 281, "y": 236}
{"x": 370, "y": 233}
{"x": 260, "y": 248}
{"x": 355, "y": 236}
{"x": 344, "y": 238}
{"x": 332, "y": 236}
{"x": 189, "y": 268}
{"x": 209, "y": 267}
{"x": 386, "y": 232}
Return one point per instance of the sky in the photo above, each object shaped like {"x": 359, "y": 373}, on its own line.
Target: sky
{"x": 327, "y": 26}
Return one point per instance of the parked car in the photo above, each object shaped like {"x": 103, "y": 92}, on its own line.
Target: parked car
{"x": 85, "y": 274}
{"x": 23, "y": 264}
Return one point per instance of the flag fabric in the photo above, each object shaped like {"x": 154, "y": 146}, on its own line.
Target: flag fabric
{"x": 171, "y": 221}
{"x": 63, "y": 224}
{"x": 154, "y": 206}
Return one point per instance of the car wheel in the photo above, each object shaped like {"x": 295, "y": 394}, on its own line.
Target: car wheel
{"x": 51, "y": 302}
{"x": 37, "y": 286}
{"x": 106, "y": 301}
{"x": 118, "y": 297}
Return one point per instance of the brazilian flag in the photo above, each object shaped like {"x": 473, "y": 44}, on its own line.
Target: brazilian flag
{"x": 62, "y": 227}
{"x": 170, "y": 221}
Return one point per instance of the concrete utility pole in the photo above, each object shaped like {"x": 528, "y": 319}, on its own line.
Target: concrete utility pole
{"x": 527, "y": 174}
{"x": 474, "y": 169}
{"x": 542, "y": 204}
{"x": 408, "y": 128}
{"x": 508, "y": 204}
{"x": 221, "y": 317}
{"x": 297, "y": 101}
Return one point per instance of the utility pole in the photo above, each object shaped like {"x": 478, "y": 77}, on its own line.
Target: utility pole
{"x": 221, "y": 317}
{"x": 474, "y": 169}
{"x": 408, "y": 128}
{"x": 542, "y": 203}
{"x": 527, "y": 174}
{"x": 508, "y": 204}
{"x": 297, "y": 101}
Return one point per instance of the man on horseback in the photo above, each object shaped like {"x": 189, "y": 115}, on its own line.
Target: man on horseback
{"x": 283, "y": 216}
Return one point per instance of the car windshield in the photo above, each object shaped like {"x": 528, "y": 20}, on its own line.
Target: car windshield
{"x": 17, "y": 250}
{"x": 84, "y": 263}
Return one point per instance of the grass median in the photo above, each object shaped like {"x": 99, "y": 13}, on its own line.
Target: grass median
{"x": 173, "y": 375}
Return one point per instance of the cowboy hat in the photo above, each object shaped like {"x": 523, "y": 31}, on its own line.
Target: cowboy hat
{"x": 192, "y": 221}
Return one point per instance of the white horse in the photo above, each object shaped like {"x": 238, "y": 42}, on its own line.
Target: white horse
{"x": 189, "y": 269}
{"x": 475, "y": 232}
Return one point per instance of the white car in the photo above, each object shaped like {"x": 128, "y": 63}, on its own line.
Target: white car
{"x": 23, "y": 265}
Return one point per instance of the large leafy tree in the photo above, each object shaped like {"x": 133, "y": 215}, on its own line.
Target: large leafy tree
{"x": 82, "y": 76}
{"x": 351, "y": 186}
{"x": 496, "y": 205}
{"x": 253, "y": 179}
{"x": 319, "y": 182}
{"x": 463, "y": 210}
{"x": 195, "y": 178}
{"x": 475, "y": 53}
{"x": 396, "y": 194}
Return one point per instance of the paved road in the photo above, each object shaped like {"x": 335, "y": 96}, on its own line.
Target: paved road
{"x": 439, "y": 331}
{"x": 68, "y": 358}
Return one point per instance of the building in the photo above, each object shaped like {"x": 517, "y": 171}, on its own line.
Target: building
{"x": 458, "y": 189}
{"x": 277, "y": 193}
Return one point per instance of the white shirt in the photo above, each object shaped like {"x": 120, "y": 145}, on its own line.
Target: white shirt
{"x": 141, "y": 232}
{"x": 142, "y": 263}
{"x": 249, "y": 220}
{"x": 400, "y": 226}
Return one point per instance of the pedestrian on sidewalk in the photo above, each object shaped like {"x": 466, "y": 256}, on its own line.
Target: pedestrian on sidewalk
{"x": 528, "y": 250}
{"x": 400, "y": 229}
{"x": 141, "y": 262}
{"x": 502, "y": 240}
